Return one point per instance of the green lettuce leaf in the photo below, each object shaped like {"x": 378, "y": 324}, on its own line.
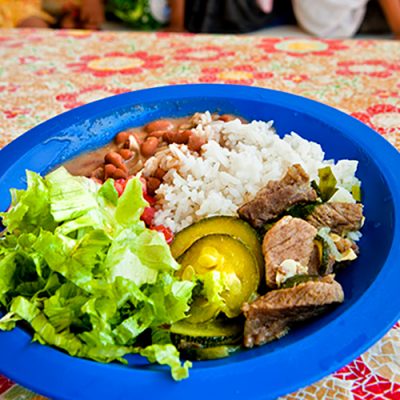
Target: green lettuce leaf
{"x": 167, "y": 354}
{"x": 70, "y": 196}
{"x": 30, "y": 209}
{"x": 150, "y": 247}
{"x": 8, "y": 321}
{"x": 107, "y": 194}
{"x": 161, "y": 336}
{"x": 127, "y": 332}
{"x": 63, "y": 309}
{"x": 213, "y": 287}
{"x": 131, "y": 204}
{"x": 170, "y": 298}
{"x": 45, "y": 333}
{"x": 81, "y": 269}
{"x": 123, "y": 263}
{"x": 7, "y": 271}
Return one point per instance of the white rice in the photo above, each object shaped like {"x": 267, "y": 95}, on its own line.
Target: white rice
{"x": 237, "y": 160}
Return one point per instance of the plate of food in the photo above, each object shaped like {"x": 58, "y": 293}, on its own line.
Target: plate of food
{"x": 214, "y": 241}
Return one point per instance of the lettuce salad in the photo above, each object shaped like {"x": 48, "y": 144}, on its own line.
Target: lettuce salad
{"x": 81, "y": 269}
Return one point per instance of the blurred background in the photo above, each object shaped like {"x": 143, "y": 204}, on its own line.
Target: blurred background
{"x": 322, "y": 18}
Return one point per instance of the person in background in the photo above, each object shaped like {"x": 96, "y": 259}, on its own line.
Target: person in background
{"x": 21, "y": 13}
{"x": 345, "y": 18}
{"x": 177, "y": 16}
{"x": 85, "y": 14}
{"x": 202, "y": 16}
{"x": 143, "y": 15}
{"x": 391, "y": 9}
{"x": 232, "y": 16}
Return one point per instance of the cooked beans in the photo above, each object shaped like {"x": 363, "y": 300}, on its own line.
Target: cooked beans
{"x": 169, "y": 137}
{"x": 159, "y": 125}
{"x": 195, "y": 142}
{"x": 126, "y": 154}
{"x": 152, "y": 185}
{"x": 226, "y": 117}
{"x": 130, "y": 149}
{"x": 158, "y": 134}
{"x": 120, "y": 174}
{"x": 180, "y": 137}
{"x": 121, "y": 138}
{"x": 159, "y": 173}
{"x": 109, "y": 171}
{"x": 123, "y": 167}
{"x": 113, "y": 158}
{"x": 183, "y": 137}
{"x": 149, "y": 146}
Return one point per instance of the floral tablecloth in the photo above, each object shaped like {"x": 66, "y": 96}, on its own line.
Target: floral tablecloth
{"x": 43, "y": 73}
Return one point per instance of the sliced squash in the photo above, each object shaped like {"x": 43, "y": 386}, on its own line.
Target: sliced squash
{"x": 297, "y": 279}
{"x": 211, "y": 334}
{"x": 209, "y": 353}
{"x": 233, "y": 263}
{"x": 232, "y": 226}
{"x": 324, "y": 255}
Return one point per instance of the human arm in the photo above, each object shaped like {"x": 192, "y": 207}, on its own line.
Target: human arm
{"x": 391, "y": 9}
{"x": 92, "y": 14}
{"x": 266, "y": 5}
{"x": 177, "y": 19}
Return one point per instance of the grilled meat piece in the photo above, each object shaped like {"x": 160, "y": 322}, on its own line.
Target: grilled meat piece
{"x": 290, "y": 238}
{"x": 314, "y": 262}
{"x": 270, "y": 316}
{"x": 339, "y": 217}
{"x": 278, "y": 196}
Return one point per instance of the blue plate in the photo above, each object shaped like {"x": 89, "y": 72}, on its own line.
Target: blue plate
{"x": 310, "y": 351}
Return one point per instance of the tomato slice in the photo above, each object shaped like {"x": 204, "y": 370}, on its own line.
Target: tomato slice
{"x": 169, "y": 236}
{"x": 148, "y": 215}
{"x": 119, "y": 185}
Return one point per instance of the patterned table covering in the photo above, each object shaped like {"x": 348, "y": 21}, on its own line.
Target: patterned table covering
{"x": 43, "y": 73}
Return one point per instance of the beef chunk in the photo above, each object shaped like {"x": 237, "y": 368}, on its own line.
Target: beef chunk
{"x": 315, "y": 261}
{"x": 339, "y": 217}
{"x": 278, "y": 196}
{"x": 269, "y": 317}
{"x": 289, "y": 239}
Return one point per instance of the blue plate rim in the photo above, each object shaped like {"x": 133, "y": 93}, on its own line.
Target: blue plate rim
{"x": 361, "y": 135}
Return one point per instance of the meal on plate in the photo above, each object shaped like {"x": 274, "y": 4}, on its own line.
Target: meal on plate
{"x": 186, "y": 238}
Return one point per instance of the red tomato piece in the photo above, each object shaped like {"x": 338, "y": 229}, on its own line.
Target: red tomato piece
{"x": 150, "y": 199}
{"x": 119, "y": 185}
{"x": 148, "y": 215}
{"x": 169, "y": 236}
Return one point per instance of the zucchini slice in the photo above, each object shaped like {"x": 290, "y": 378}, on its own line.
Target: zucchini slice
{"x": 235, "y": 227}
{"x": 297, "y": 279}
{"x": 233, "y": 261}
{"x": 211, "y": 334}
{"x": 325, "y": 249}
{"x": 209, "y": 353}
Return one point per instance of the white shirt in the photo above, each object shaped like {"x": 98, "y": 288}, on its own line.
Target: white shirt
{"x": 330, "y": 18}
